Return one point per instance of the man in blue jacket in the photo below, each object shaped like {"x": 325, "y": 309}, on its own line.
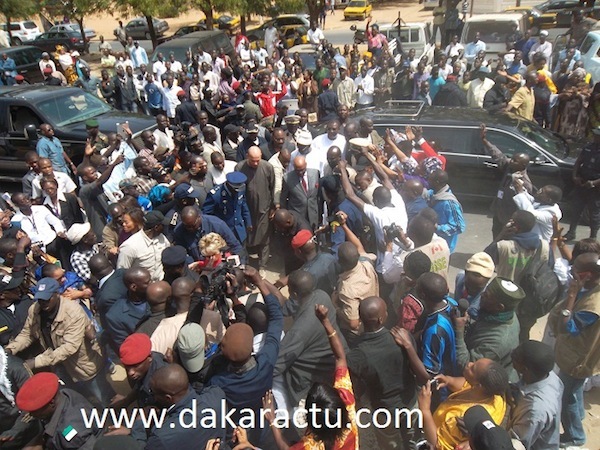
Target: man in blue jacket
{"x": 450, "y": 215}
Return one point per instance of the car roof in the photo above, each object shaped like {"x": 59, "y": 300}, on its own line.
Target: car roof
{"x": 9, "y": 50}
{"x": 388, "y": 25}
{"x": 302, "y": 48}
{"x": 176, "y": 43}
{"x": 34, "y": 92}
{"x": 439, "y": 115}
{"x": 495, "y": 16}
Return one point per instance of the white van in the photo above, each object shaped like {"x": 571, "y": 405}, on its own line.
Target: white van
{"x": 493, "y": 29}
{"x": 590, "y": 54}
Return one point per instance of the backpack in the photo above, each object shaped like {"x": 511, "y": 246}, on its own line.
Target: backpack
{"x": 541, "y": 285}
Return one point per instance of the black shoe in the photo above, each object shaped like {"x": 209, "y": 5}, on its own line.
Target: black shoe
{"x": 570, "y": 236}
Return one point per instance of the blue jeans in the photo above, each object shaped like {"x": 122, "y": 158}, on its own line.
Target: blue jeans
{"x": 573, "y": 410}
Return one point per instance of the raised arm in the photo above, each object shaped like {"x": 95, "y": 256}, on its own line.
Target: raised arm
{"x": 334, "y": 340}
{"x": 350, "y": 236}
{"x": 348, "y": 190}
{"x": 383, "y": 176}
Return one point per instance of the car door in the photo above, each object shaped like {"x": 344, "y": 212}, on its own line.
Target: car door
{"x": 14, "y": 146}
{"x": 542, "y": 170}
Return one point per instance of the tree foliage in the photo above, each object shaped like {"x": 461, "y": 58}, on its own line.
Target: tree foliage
{"x": 17, "y": 9}
{"x": 150, "y": 9}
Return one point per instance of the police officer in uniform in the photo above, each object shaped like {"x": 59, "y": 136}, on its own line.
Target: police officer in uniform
{"x": 60, "y": 411}
{"x": 185, "y": 195}
{"x": 586, "y": 176}
{"x": 228, "y": 203}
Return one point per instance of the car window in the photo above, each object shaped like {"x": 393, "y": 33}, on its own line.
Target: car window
{"x": 29, "y": 25}
{"x": 72, "y": 107}
{"x": 21, "y": 116}
{"x": 20, "y": 58}
{"x": 509, "y": 145}
{"x": 15, "y": 27}
{"x": 452, "y": 139}
{"x": 491, "y": 31}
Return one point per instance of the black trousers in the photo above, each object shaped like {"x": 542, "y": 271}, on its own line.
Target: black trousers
{"x": 581, "y": 198}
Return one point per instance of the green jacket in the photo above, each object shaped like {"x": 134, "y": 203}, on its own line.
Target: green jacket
{"x": 489, "y": 339}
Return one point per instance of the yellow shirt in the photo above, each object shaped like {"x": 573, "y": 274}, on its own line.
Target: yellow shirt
{"x": 523, "y": 102}
{"x": 448, "y": 433}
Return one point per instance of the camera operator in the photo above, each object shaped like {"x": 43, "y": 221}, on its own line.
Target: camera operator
{"x": 388, "y": 207}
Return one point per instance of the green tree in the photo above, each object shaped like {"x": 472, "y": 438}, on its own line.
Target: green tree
{"x": 16, "y": 9}
{"x": 76, "y": 10}
{"x": 149, "y": 9}
{"x": 293, "y": 6}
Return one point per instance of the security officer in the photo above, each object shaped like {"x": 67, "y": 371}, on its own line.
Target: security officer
{"x": 185, "y": 195}
{"x": 292, "y": 124}
{"x": 586, "y": 176}
{"x": 61, "y": 412}
{"x": 228, "y": 203}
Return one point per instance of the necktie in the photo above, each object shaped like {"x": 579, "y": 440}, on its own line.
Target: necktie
{"x": 304, "y": 185}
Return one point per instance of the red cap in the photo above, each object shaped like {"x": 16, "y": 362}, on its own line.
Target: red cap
{"x": 326, "y": 82}
{"x": 301, "y": 238}
{"x": 37, "y": 392}
{"x": 48, "y": 70}
{"x": 19, "y": 77}
{"x": 235, "y": 85}
{"x": 451, "y": 77}
{"x": 136, "y": 348}
{"x": 180, "y": 93}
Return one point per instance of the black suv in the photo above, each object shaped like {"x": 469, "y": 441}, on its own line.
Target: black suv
{"x": 66, "y": 109}
{"x": 472, "y": 172}
{"x": 26, "y": 58}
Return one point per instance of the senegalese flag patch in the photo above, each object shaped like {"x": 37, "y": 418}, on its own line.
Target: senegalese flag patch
{"x": 69, "y": 433}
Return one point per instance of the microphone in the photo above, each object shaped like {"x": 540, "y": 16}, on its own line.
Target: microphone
{"x": 463, "y": 305}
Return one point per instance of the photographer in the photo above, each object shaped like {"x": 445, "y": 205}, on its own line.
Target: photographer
{"x": 246, "y": 378}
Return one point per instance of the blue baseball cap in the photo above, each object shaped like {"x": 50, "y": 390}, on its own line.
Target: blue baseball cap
{"x": 185, "y": 190}
{"x": 46, "y": 288}
{"x": 236, "y": 178}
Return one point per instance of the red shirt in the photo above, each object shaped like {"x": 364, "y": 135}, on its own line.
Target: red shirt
{"x": 268, "y": 100}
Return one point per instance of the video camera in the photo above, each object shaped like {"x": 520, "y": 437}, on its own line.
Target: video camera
{"x": 391, "y": 232}
{"x": 214, "y": 286}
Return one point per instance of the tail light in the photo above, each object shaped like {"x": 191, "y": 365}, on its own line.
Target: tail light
{"x": 74, "y": 40}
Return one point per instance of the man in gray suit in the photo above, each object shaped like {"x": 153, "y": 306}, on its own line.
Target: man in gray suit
{"x": 300, "y": 192}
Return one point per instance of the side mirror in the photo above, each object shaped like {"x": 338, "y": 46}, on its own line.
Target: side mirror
{"x": 31, "y": 132}
{"x": 539, "y": 160}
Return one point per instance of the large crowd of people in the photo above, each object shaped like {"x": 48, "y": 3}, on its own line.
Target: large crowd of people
{"x": 153, "y": 254}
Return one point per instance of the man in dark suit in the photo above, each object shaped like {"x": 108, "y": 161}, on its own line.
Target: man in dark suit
{"x": 300, "y": 192}
{"x": 110, "y": 285}
{"x": 125, "y": 315}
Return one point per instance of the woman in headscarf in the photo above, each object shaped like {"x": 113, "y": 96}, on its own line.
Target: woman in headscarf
{"x": 572, "y": 109}
{"x": 66, "y": 63}
{"x": 594, "y": 110}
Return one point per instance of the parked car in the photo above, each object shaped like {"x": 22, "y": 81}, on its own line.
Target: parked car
{"x": 224, "y": 22}
{"x": 138, "y": 28}
{"x": 287, "y": 24}
{"x": 358, "y": 9}
{"x": 472, "y": 172}
{"x": 207, "y": 40}
{"x": 494, "y": 29}
{"x": 66, "y": 109}
{"x": 26, "y": 58}
{"x": 70, "y": 40}
{"x": 412, "y": 35}
{"x": 89, "y": 33}
{"x": 590, "y": 54}
{"x": 307, "y": 53}
{"x": 22, "y": 32}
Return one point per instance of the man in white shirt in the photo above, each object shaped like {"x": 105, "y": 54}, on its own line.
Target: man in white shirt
{"x": 138, "y": 55}
{"x": 204, "y": 57}
{"x": 220, "y": 168}
{"x": 38, "y": 222}
{"x": 144, "y": 249}
{"x": 65, "y": 183}
{"x": 260, "y": 55}
{"x": 175, "y": 65}
{"x": 163, "y": 135}
{"x": 315, "y": 35}
{"x": 280, "y": 162}
{"x": 454, "y": 48}
{"x": 478, "y": 88}
{"x": 542, "y": 46}
{"x": 543, "y": 205}
{"x": 322, "y": 143}
{"x": 365, "y": 86}
{"x": 158, "y": 67}
{"x": 271, "y": 35}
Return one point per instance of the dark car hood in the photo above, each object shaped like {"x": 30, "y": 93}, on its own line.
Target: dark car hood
{"x": 108, "y": 123}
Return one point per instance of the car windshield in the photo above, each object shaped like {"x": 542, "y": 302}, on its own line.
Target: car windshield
{"x": 29, "y": 25}
{"x": 491, "y": 31}
{"x": 544, "y": 138}
{"x": 72, "y": 107}
{"x": 357, "y": 3}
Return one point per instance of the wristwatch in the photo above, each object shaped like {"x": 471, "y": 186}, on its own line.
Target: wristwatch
{"x": 565, "y": 312}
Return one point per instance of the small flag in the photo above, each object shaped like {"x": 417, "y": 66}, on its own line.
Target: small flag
{"x": 69, "y": 433}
